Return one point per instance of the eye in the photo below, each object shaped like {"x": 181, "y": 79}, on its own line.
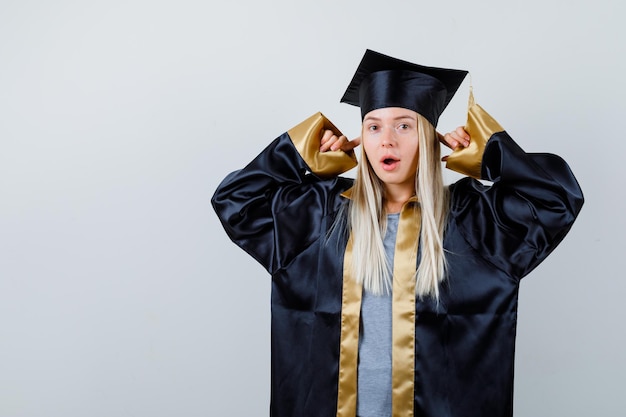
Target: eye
{"x": 372, "y": 128}
{"x": 404, "y": 126}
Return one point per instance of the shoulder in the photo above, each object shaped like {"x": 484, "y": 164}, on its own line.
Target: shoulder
{"x": 313, "y": 195}
{"x": 464, "y": 192}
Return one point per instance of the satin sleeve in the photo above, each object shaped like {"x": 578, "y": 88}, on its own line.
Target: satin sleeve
{"x": 517, "y": 221}
{"x": 274, "y": 206}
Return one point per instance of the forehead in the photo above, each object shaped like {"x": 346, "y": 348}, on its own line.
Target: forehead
{"x": 390, "y": 113}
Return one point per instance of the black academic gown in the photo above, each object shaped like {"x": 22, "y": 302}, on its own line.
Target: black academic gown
{"x": 281, "y": 212}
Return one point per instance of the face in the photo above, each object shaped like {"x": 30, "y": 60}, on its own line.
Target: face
{"x": 390, "y": 141}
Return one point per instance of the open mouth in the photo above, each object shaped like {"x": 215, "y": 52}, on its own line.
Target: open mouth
{"x": 389, "y": 162}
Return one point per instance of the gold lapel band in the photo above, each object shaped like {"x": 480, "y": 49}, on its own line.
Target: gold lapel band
{"x": 403, "y": 312}
{"x": 349, "y": 344}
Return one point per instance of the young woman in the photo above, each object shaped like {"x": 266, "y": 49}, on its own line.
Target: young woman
{"x": 394, "y": 295}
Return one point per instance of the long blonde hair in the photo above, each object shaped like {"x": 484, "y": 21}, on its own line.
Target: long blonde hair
{"x": 367, "y": 220}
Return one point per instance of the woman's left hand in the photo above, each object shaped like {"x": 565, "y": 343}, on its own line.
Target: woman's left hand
{"x": 458, "y": 138}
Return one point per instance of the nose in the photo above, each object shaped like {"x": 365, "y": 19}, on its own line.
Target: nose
{"x": 388, "y": 139}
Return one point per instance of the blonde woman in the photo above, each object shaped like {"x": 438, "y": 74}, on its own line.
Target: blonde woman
{"x": 394, "y": 295}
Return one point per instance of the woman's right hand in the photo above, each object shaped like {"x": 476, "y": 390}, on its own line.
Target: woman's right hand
{"x": 332, "y": 142}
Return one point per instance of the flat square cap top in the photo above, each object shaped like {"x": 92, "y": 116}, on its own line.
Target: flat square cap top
{"x": 383, "y": 81}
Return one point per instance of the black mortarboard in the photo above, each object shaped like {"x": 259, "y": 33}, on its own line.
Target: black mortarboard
{"x": 382, "y": 81}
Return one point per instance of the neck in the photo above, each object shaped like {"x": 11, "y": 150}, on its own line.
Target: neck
{"x": 396, "y": 197}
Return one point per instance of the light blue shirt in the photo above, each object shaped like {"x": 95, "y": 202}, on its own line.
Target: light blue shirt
{"x": 374, "y": 369}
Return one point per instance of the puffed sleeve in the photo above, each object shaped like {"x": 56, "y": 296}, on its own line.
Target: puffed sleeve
{"x": 273, "y": 207}
{"x": 516, "y": 222}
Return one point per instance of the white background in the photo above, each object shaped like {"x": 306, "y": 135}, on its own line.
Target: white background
{"x": 120, "y": 295}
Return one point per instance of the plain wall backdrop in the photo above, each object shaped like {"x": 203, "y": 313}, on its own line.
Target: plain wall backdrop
{"x": 120, "y": 294}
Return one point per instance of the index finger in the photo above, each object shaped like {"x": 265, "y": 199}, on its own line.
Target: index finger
{"x": 351, "y": 144}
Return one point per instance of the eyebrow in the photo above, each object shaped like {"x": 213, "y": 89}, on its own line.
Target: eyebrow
{"x": 406, "y": 116}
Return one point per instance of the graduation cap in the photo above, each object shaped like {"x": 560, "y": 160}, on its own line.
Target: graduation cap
{"x": 382, "y": 81}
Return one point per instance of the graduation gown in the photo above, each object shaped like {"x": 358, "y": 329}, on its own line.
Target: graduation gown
{"x": 280, "y": 209}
